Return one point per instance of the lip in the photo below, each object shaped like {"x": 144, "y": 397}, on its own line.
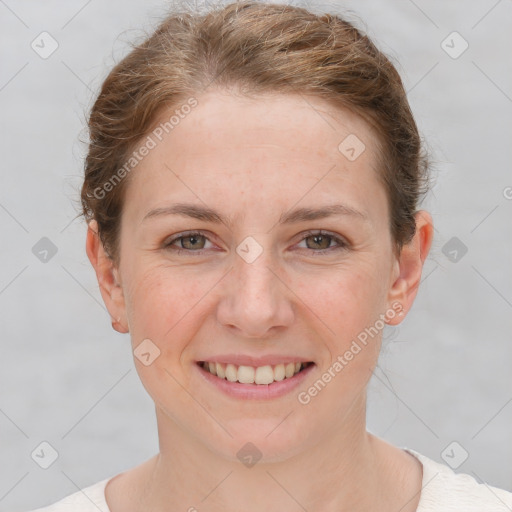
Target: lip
{"x": 244, "y": 360}
{"x": 256, "y": 391}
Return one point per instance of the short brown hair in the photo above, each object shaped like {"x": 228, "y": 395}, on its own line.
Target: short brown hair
{"x": 257, "y": 48}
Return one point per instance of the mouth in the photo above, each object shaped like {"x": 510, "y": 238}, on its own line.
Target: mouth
{"x": 256, "y": 376}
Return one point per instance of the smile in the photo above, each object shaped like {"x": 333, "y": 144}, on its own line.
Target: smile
{"x": 260, "y": 375}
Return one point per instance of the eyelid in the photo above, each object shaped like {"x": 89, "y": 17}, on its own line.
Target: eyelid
{"x": 184, "y": 234}
{"x": 340, "y": 240}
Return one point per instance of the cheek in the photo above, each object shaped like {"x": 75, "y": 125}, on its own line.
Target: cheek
{"x": 160, "y": 302}
{"x": 347, "y": 308}
{"x": 350, "y": 295}
{"x": 160, "y": 306}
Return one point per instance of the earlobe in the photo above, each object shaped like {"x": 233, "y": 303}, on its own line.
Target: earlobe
{"x": 108, "y": 278}
{"x": 410, "y": 265}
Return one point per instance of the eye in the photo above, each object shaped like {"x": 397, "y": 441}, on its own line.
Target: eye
{"x": 320, "y": 242}
{"x": 187, "y": 242}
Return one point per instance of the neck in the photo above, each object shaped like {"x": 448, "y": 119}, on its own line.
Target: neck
{"x": 344, "y": 470}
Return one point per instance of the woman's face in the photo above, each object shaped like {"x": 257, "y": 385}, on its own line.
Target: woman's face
{"x": 262, "y": 284}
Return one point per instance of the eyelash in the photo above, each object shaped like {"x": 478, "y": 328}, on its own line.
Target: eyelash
{"x": 342, "y": 244}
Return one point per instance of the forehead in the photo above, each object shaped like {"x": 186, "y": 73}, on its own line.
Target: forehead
{"x": 301, "y": 124}
{"x": 280, "y": 143}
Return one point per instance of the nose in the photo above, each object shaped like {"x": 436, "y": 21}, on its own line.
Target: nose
{"x": 256, "y": 300}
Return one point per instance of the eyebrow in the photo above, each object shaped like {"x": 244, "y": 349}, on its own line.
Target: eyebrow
{"x": 292, "y": 217}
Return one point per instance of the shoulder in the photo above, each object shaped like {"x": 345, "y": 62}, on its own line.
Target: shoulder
{"x": 443, "y": 490}
{"x": 89, "y": 499}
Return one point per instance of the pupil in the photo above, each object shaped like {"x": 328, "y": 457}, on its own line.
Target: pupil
{"x": 318, "y": 239}
{"x": 190, "y": 240}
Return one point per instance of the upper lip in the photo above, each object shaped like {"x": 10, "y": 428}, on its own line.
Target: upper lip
{"x": 245, "y": 360}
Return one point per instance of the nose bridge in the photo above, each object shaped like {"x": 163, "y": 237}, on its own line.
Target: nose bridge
{"x": 256, "y": 298}
{"x": 252, "y": 269}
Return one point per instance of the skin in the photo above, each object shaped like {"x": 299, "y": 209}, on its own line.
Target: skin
{"x": 253, "y": 160}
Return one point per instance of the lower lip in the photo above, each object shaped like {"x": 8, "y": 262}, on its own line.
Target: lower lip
{"x": 256, "y": 391}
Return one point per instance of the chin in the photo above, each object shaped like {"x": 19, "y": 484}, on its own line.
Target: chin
{"x": 264, "y": 440}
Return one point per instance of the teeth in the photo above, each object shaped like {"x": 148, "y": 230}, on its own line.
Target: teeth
{"x": 264, "y": 375}
{"x": 246, "y": 374}
{"x": 279, "y": 372}
{"x": 220, "y": 370}
{"x": 231, "y": 372}
{"x": 289, "y": 370}
{"x": 250, "y": 375}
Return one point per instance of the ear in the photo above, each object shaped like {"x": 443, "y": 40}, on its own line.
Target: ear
{"x": 410, "y": 264}
{"x": 108, "y": 279}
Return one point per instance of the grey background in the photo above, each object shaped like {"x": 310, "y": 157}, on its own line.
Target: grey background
{"x": 67, "y": 378}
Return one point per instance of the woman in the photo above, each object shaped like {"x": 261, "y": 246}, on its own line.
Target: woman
{"x": 252, "y": 189}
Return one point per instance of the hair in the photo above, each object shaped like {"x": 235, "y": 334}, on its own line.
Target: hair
{"x": 256, "y": 48}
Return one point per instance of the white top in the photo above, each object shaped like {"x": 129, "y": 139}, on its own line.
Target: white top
{"x": 442, "y": 490}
